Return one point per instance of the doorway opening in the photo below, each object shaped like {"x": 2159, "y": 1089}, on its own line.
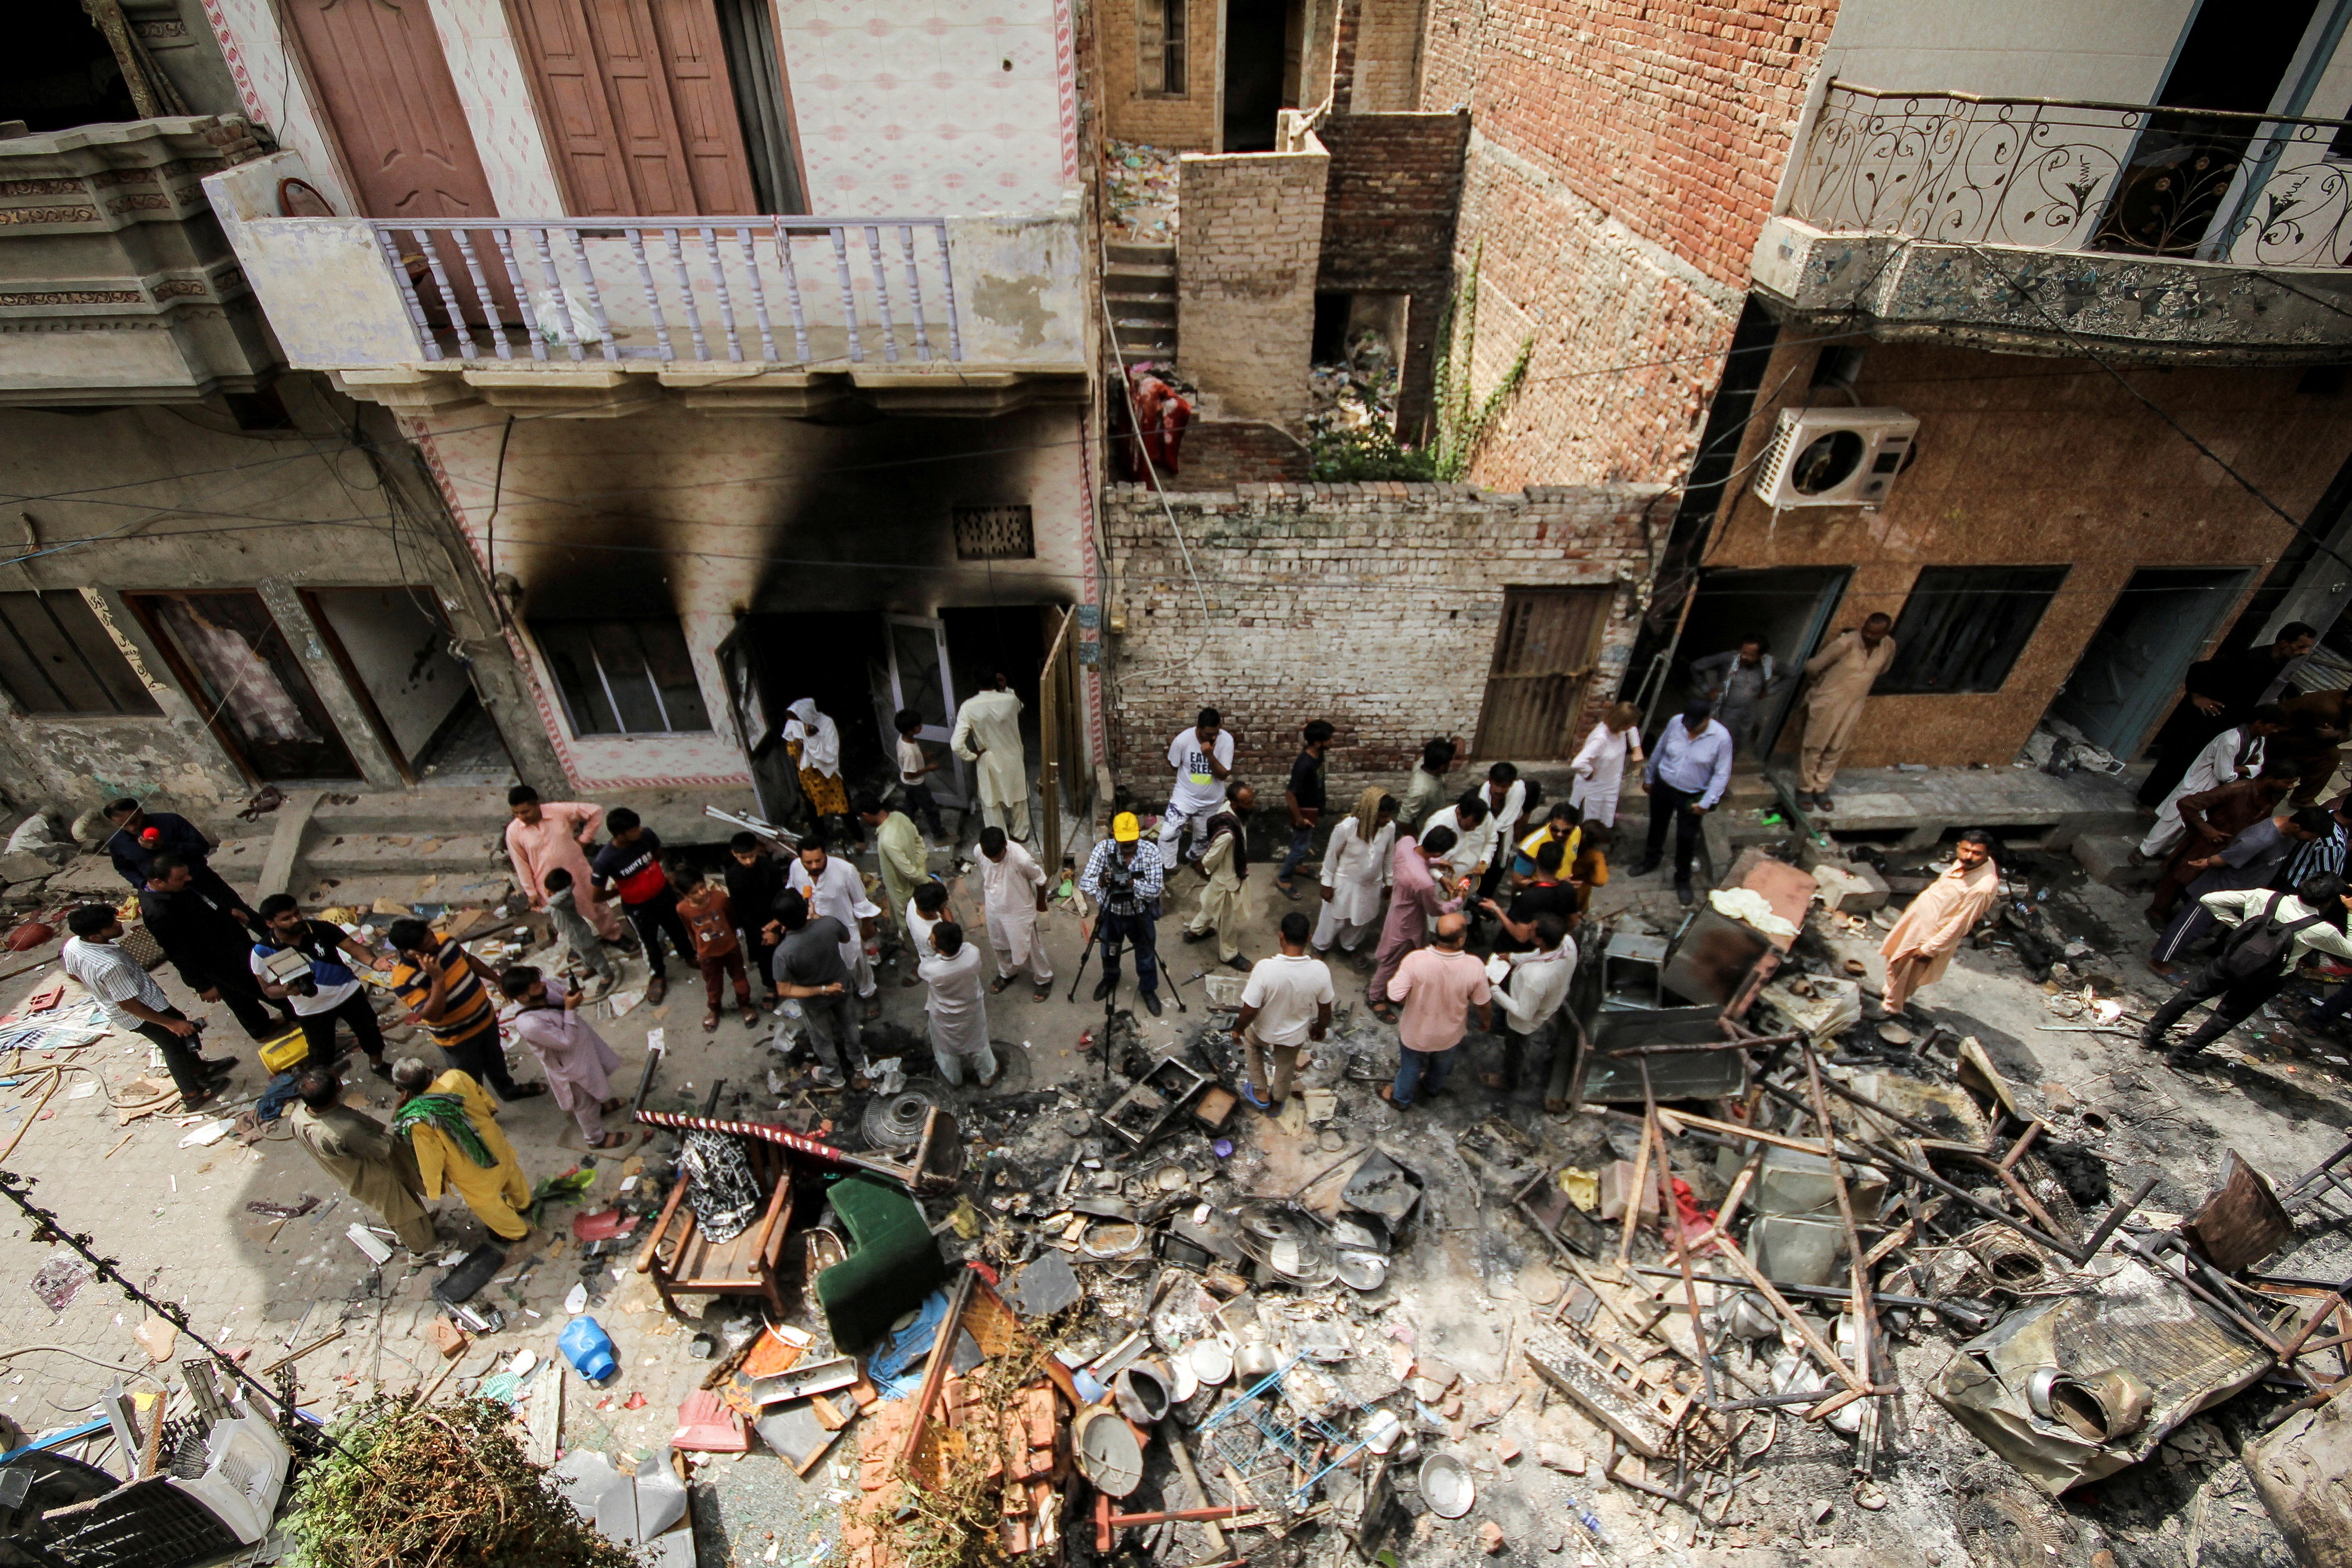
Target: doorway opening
{"x": 1256, "y": 34}
{"x": 60, "y": 71}
{"x": 236, "y": 666}
{"x": 394, "y": 649}
{"x": 1011, "y": 638}
{"x": 2186, "y": 165}
{"x": 2133, "y": 664}
{"x": 1789, "y": 606}
{"x": 862, "y": 669}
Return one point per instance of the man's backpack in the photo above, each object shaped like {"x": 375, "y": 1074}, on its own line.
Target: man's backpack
{"x": 2259, "y": 946}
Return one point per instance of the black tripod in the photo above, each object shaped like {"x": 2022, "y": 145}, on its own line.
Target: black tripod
{"x": 1111, "y": 948}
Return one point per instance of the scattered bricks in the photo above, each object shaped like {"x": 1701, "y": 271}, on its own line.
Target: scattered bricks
{"x": 1561, "y": 1456}
{"x": 1490, "y": 1538}
{"x": 2107, "y": 856}
{"x": 448, "y": 1337}
{"x": 1506, "y": 1449}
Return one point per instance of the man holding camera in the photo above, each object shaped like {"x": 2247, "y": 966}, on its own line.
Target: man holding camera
{"x": 301, "y": 962}
{"x": 1123, "y": 878}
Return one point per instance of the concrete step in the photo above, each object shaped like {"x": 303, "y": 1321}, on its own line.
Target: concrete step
{"x": 1143, "y": 307}
{"x": 1160, "y": 335}
{"x": 1131, "y": 253}
{"x": 1139, "y": 280}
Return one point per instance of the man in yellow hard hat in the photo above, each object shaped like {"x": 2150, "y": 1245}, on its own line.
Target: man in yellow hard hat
{"x": 1123, "y": 878}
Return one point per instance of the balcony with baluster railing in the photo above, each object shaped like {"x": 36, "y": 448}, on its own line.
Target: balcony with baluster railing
{"x": 2019, "y": 221}
{"x": 794, "y": 315}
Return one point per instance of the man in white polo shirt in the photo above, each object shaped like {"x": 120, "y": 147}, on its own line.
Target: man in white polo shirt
{"x": 1286, "y": 1003}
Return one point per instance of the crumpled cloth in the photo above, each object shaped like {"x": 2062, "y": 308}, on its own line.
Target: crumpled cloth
{"x": 1749, "y": 908}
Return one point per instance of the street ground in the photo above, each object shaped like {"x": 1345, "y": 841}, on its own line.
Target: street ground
{"x": 221, "y": 1229}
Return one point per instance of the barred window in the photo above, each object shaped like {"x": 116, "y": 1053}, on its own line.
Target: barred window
{"x": 994, "y": 534}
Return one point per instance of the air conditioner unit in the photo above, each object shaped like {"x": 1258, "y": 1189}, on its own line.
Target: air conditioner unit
{"x": 1836, "y": 457}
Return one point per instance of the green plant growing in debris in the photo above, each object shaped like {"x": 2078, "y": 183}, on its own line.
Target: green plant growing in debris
{"x": 1461, "y": 420}
{"x": 435, "y": 1485}
{"x": 955, "y": 1524}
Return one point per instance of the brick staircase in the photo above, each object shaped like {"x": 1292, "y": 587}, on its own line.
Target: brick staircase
{"x": 1140, "y": 285}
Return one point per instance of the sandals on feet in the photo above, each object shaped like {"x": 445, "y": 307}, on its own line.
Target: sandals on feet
{"x": 999, "y": 985}
{"x": 610, "y": 1141}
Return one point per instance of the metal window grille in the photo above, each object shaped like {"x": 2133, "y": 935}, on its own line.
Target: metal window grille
{"x": 994, "y": 534}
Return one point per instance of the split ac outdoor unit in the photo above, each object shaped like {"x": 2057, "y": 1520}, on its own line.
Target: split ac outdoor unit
{"x": 1836, "y": 457}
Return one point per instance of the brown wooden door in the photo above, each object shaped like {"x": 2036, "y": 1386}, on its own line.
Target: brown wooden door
{"x": 1544, "y": 656}
{"x": 639, "y": 106}
{"x": 393, "y": 107}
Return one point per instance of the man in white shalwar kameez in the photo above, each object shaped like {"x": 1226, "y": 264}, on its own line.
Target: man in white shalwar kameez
{"x": 1356, "y": 872}
{"x": 833, "y": 887}
{"x": 2233, "y": 754}
{"x": 988, "y": 731}
{"x": 958, "y": 1007}
{"x": 1600, "y": 764}
{"x": 1013, "y": 895}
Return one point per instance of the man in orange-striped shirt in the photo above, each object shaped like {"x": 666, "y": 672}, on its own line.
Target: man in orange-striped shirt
{"x": 449, "y": 992}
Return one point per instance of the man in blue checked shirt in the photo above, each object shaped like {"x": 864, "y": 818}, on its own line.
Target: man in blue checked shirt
{"x": 1688, "y": 767}
{"x": 1124, "y": 877}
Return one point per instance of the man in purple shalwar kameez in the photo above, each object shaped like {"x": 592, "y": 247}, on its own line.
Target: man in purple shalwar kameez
{"x": 1415, "y": 901}
{"x": 575, "y": 1056}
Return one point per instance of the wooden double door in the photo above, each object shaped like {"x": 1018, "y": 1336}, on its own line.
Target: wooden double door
{"x": 639, "y": 109}
{"x": 636, "y": 97}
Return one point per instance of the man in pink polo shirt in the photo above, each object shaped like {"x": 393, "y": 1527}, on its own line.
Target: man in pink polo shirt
{"x": 1438, "y": 986}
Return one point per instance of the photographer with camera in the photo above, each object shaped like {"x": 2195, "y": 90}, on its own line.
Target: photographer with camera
{"x": 301, "y": 961}
{"x": 1123, "y": 878}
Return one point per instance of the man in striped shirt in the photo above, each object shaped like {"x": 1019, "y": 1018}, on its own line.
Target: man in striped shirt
{"x": 448, "y": 990}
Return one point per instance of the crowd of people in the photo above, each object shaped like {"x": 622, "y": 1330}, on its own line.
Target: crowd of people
{"x": 1456, "y": 904}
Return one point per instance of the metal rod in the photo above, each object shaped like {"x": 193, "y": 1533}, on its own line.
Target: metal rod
{"x": 2116, "y": 1216}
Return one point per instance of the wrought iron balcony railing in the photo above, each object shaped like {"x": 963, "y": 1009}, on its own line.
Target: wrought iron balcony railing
{"x": 2057, "y": 174}
{"x": 584, "y": 289}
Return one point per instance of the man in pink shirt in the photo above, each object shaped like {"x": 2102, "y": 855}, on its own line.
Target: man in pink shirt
{"x": 1438, "y": 986}
{"x": 544, "y": 836}
{"x": 1419, "y": 894}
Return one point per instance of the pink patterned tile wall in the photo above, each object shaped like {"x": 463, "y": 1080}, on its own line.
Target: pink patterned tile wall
{"x": 273, "y": 94}
{"x": 922, "y": 106}
{"x": 487, "y": 63}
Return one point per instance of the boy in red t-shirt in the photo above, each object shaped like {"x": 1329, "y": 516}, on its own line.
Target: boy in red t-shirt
{"x": 710, "y": 920}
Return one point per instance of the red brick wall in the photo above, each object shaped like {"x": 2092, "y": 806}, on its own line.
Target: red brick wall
{"x": 1625, "y": 156}
{"x": 1387, "y": 223}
